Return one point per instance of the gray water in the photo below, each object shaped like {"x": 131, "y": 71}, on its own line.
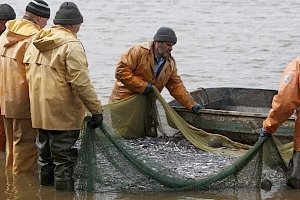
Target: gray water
{"x": 220, "y": 43}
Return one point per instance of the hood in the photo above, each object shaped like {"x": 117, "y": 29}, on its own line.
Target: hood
{"x": 18, "y": 30}
{"x": 54, "y": 37}
{"x": 148, "y": 45}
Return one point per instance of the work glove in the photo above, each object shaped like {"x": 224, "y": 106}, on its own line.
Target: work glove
{"x": 196, "y": 108}
{"x": 96, "y": 120}
{"x": 148, "y": 89}
{"x": 264, "y": 133}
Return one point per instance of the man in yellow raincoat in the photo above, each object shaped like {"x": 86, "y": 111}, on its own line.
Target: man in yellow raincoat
{"x": 21, "y": 153}
{"x": 284, "y": 104}
{"x": 151, "y": 64}
{"x": 6, "y": 13}
{"x": 60, "y": 91}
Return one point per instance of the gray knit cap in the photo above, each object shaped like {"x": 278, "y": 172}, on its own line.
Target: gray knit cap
{"x": 68, "y": 14}
{"x": 165, "y": 34}
{"x": 7, "y": 12}
{"x": 39, "y": 8}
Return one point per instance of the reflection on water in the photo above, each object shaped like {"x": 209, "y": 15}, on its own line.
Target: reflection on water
{"x": 27, "y": 187}
{"x": 220, "y": 43}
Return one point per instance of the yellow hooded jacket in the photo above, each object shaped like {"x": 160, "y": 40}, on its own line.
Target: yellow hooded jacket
{"x": 59, "y": 85}
{"x": 14, "y": 99}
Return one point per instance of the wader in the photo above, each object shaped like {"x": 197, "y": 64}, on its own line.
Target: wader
{"x": 57, "y": 158}
{"x": 294, "y": 165}
{"x": 21, "y": 152}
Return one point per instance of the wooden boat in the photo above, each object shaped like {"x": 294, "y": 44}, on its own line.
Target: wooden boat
{"x": 237, "y": 113}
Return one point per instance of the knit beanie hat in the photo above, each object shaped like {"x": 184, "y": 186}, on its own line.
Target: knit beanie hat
{"x": 39, "y": 8}
{"x": 165, "y": 34}
{"x": 7, "y": 12}
{"x": 68, "y": 14}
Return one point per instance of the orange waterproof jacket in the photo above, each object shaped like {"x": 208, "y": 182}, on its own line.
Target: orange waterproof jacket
{"x": 135, "y": 70}
{"x": 14, "y": 98}
{"x": 286, "y": 101}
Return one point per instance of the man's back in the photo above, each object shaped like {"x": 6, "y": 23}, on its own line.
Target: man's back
{"x": 14, "y": 89}
{"x": 57, "y": 74}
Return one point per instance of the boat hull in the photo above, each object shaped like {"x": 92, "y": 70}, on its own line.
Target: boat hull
{"x": 237, "y": 113}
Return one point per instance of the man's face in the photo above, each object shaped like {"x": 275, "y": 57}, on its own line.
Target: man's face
{"x": 76, "y": 28}
{"x": 2, "y": 26}
{"x": 164, "y": 48}
{"x": 42, "y": 21}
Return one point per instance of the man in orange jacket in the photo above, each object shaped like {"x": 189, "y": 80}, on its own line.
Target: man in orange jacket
{"x": 6, "y": 13}
{"x": 151, "y": 64}
{"x": 284, "y": 104}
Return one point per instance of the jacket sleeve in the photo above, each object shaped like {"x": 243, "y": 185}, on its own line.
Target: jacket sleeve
{"x": 125, "y": 70}
{"x": 177, "y": 89}
{"x": 287, "y": 99}
{"x": 78, "y": 77}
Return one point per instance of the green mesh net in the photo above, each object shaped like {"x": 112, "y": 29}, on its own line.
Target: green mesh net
{"x": 177, "y": 157}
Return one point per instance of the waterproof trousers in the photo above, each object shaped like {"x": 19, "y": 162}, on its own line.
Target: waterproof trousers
{"x": 21, "y": 151}
{"x": 294, "y": 167}
{"x": 57, "y": 158}
{"x": 2, "y": 134}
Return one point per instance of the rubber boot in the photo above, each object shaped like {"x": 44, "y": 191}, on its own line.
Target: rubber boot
{"x": 64, "y": 185}
{"x": 46, "y": 176}
{"x": 45, "y": 163}
{"x": 294, "y": 178}
{"x": 64, "y": 178}
{"x": 64, "y": 156}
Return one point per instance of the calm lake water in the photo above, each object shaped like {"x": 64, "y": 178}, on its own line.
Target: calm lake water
{"x": 220, "y": 43}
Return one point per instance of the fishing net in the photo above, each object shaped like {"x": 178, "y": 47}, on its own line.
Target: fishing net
{"x": 120, "y": 155}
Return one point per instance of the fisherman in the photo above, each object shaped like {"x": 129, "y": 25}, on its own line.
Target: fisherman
{"x": 60, "y": 91}
{"x": 21, "y": 152}
{"x": 151, "y": 64}
{"x": 284, "y": 104}
{"x": 6, "y": 13}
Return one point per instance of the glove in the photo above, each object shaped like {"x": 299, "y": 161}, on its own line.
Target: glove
{"x": 196, "y": 108}
{"x": 148, "y": 89}
{"x": 96, "y": 120}
{"x": 264, "y": 133}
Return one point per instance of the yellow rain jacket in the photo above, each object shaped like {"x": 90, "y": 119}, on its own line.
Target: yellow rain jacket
{"x": 286, "y": 102}
{"x": 59, "y": 85}
{"x": 14, "y": 99}
{"x": 135, "y": 70}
